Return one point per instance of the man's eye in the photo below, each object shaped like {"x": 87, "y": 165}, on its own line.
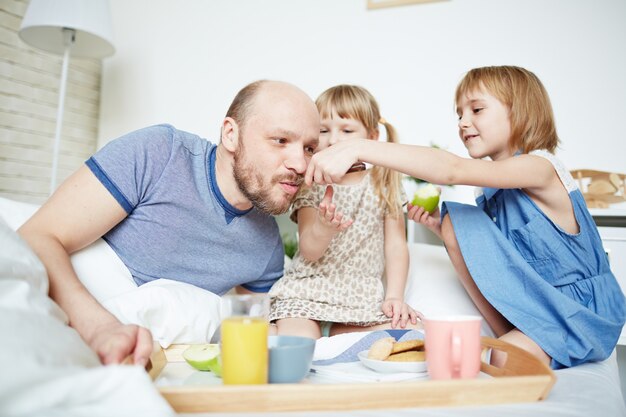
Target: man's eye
{"x": 310, "y": 150}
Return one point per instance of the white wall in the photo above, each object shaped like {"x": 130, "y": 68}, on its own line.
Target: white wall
{"x": 182, "y": 62}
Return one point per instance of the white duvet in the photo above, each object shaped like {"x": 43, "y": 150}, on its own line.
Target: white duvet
{"x": 45, "y": 367}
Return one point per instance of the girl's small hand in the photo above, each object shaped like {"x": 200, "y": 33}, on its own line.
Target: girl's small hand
{"x": 431, "y": 221}
{"x": 331, "y": 164}
{"x": 329, "y": 217}
{"x": 400, "y": 312}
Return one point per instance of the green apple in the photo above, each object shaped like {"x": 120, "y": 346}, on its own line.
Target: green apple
{"x": 205, "y": 357}
{"x": 426, "y": 196}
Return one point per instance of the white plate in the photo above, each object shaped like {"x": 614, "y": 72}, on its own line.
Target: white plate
{"x": 387, "y": 367}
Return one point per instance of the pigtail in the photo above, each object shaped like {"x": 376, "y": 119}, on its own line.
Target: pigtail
{"x": 387, "y": 182}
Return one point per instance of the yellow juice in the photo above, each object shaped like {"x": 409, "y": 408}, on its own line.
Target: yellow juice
{"x": 244, "y": 350}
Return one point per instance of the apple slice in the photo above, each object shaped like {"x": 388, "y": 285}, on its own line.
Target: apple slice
{"x": 426, "y": 196}
{"x": 205, "y": 357}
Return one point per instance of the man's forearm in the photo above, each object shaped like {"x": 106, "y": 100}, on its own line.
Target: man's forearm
{"x": 83, "y": 310}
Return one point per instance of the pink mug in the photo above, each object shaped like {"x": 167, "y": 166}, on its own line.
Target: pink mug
{"x": 452, "y": 346}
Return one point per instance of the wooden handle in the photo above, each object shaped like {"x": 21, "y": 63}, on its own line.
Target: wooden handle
{"x": 518, "y": 361}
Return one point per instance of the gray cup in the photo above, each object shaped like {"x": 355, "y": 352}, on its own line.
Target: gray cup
{"x": 290, "y": 358}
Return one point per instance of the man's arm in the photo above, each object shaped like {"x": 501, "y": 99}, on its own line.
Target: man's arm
{"x": 78, "y": 213}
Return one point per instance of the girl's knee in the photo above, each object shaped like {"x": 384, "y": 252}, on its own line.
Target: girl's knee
{"x": 298, "y": 327}
{"x": 519, "y": 339}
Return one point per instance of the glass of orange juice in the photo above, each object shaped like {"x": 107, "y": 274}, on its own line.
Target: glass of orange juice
{"x": 244, "y": 332}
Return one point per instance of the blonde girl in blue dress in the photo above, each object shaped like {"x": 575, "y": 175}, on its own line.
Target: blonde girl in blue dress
{"x": 529, "y": 254}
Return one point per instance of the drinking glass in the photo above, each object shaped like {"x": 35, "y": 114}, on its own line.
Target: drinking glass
{"x": 244, "y": 332}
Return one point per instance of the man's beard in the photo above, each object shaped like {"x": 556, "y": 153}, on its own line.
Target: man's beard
{"x": 251, "y": 185}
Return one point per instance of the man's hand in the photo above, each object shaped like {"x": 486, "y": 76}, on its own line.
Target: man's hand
{"x": 329, "y": 218}
{"x": 400, "y": 312}
{"x": 431, "y": 221}
{"x": 114, "y": 342}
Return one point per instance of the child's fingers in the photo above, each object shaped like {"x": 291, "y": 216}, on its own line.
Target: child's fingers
{"x": 411, "y": 210}
{"x": 413, "y": 316}
{"x": 395, "y": 318}
{"x": 404, "y": 315}
{"x": 328, "y": 195}
{"x": 322, "y": 210}
{"x": 345, "y": 225}
{"x": 415, "y": 213}
{"x": 330, "y": 213}
{"x": 387, "y": 309}
{"x": 419, "y": 315}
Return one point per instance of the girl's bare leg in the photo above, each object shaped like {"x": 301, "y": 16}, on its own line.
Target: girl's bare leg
{"x": 298, "y": 327}
{"x": 496, "y": 321}
{"x": 519, "y": 339}
{"x": 500, "y": 325}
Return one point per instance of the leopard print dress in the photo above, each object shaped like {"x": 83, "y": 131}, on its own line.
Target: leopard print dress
{"x": 345, "y": 284}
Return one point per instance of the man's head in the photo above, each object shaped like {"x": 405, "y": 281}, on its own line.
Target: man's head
{"x": 271, "y": 130}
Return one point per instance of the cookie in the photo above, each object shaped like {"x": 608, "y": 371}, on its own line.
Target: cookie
{"x": 407, "y": 345}
{"x": 381, "y": 349}
{"x": 409, "y": 356}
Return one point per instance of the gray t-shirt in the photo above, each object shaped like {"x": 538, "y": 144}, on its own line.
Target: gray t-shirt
{"x": 179, "y": 226}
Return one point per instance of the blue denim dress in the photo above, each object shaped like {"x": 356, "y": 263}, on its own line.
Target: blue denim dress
{"x": 555, "y": 287}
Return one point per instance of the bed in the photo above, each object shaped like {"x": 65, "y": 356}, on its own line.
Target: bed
{"x": 47, "y": 369}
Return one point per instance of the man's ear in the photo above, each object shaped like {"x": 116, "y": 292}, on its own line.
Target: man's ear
{"x": 230, "y": 134}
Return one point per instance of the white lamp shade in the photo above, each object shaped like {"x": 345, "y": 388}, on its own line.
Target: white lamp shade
{"x": 44, "y": 21}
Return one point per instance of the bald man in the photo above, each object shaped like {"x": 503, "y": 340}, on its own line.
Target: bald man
{"x": 174, "y": 205}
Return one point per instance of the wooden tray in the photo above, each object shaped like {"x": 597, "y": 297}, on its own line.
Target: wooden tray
{"x": 522, "y": 379}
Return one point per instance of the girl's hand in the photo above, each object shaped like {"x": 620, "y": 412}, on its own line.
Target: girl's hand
{"x": 400, "y": 312}
{"x": 431, "y": 221}
{"x": 328, "y": 216}
{"x": 331, "y": 164}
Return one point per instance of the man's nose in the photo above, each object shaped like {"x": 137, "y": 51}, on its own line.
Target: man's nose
{"x": 296, "y": 161}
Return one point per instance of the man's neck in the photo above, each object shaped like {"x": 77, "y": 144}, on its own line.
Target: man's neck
{"x": 226, "y": 181}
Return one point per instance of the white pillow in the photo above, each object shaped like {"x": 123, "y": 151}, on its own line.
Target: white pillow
{"x": 433, "y": 286}
{"x": 175, "y": 312}
{"x": 97, "y": 266}
{"x": 15, "y": 213}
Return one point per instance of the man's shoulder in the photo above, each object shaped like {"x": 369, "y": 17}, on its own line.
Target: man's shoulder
{"x": 156, "y": 138}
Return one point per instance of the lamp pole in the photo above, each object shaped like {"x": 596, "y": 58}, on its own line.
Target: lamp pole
{"x": 69, "y": 36}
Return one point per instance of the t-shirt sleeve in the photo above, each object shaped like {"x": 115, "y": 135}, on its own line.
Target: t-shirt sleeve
{"x": 273, "y": 271}
{"x": 307, "y": 197}
{"x": 131, "y": 165}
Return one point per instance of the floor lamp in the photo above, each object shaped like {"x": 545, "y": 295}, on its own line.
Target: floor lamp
{"x": 81, "y": 28}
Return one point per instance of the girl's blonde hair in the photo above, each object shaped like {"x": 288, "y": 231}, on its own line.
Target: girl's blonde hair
{"x": 354, "y": 102}
{"x": 530, "y": 111}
